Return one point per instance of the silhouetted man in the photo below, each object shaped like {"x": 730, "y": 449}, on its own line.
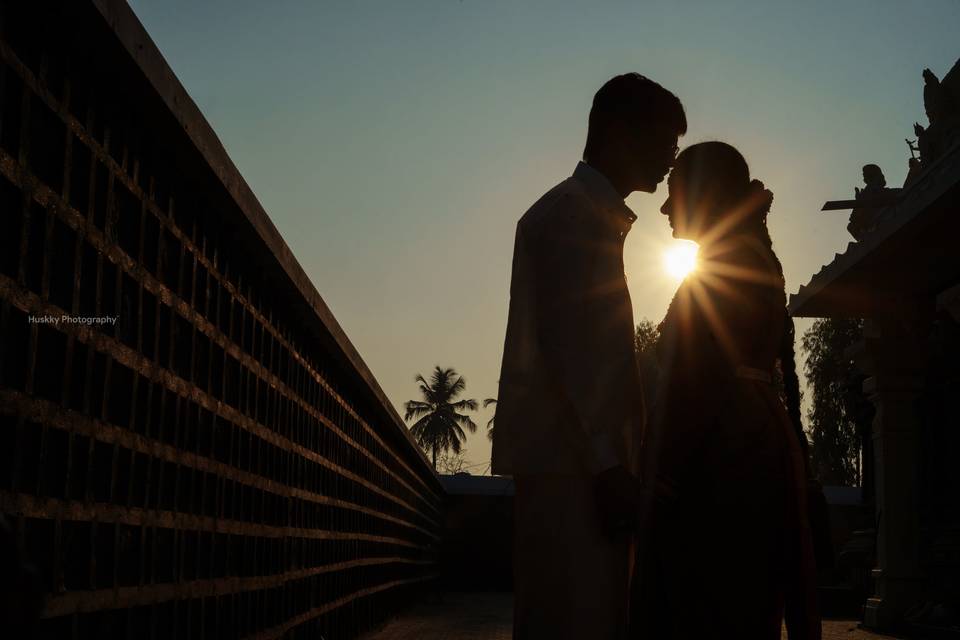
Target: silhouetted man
{"x": 570, "y": 405}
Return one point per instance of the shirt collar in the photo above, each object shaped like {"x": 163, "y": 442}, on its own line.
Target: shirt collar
{"x": 602, "y": 193}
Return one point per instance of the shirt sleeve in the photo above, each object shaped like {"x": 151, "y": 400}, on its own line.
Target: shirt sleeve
{"x": 586, "y": 326}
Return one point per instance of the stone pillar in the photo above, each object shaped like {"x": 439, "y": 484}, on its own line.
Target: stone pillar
{"x": 895, "y": 355}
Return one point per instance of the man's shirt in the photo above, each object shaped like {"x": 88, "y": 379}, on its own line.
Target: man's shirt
{"x": 570, "y": 398}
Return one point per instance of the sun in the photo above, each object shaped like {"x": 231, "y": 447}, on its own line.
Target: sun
{"x": 680, "y": 259}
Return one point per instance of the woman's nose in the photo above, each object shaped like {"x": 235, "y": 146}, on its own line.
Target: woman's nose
{"x": 665, "y": 209}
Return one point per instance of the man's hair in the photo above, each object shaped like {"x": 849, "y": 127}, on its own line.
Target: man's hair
{"x": 633, "y": 97}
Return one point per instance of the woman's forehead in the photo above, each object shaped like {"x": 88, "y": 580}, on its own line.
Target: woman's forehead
{"x": 675, "y": 178}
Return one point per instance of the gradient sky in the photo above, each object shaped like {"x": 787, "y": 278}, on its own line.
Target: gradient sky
{"x": 396, "y": 144}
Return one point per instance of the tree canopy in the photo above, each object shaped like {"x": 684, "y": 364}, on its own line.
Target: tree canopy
{"x": 836, "y": 417}
{"x": 439, "y": 422}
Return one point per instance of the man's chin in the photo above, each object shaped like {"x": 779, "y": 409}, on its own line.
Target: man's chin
{"x": 650, "y": 186}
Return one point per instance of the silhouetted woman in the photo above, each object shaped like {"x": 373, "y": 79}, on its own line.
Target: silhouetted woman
{"x": 726, "y": 549}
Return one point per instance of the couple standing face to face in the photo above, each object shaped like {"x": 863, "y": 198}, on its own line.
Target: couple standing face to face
{"x": 633, "y": 140}
{"x": 571, "y": 417}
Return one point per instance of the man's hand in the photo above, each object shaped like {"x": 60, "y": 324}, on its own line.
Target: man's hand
{"x": 618, "y": 498}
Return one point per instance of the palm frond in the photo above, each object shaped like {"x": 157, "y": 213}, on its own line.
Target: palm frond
{"x": 465, "y": 421}
{"x": 415, "y": 409}
{"x": 458, "y": 386}
{"x": 422, "y": 433}
{"x": 455, "y": 443}
{"x": 425, "y": 389}
{"x": 440, "y": 379}
{"x": 465, "y": 405}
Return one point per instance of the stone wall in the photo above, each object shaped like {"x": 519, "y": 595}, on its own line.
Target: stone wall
{"x": 189, "y": 445}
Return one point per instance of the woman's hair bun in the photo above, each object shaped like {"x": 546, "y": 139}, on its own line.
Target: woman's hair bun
{"x": 761, "y": 198}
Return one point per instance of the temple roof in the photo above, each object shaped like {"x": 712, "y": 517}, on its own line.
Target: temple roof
{"x": 911, "y": 252}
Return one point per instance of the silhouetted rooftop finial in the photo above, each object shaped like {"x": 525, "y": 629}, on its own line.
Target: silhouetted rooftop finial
{"x": 941, "y": 102}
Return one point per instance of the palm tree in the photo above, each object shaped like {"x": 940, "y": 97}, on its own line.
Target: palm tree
{"x": 439, "y": 426}
{"x": 487, "y": 403}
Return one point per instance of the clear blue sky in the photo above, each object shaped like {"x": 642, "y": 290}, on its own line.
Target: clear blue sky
{"x": 395, "y": 144}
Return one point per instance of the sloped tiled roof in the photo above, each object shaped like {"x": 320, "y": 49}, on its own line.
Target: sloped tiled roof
{"x": 936, "y": 180}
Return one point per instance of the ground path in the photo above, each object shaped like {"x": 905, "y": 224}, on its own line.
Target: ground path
{"x": 487, "y": 616}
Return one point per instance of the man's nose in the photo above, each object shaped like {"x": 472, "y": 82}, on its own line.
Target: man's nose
{"x": 665, "y": 209}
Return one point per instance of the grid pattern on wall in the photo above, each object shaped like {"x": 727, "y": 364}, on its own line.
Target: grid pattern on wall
{"x": 203, "y": 466}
